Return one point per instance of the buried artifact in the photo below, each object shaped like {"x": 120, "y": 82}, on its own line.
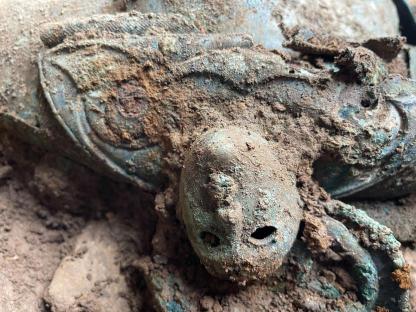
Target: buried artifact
{"x": 242, "y": 133}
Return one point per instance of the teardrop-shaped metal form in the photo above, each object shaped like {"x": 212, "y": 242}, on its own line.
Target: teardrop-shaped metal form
{"x": 93, "y": 93}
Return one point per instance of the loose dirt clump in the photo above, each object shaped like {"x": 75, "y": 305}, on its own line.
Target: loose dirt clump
{"x": 402, "y": 277}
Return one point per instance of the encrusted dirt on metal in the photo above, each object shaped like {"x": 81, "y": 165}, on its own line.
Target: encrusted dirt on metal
{"x": 205, "y": 150}
{"x": 182, "y": 95}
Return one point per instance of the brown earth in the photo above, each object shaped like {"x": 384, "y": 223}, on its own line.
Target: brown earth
{"x": 49, "y": 215}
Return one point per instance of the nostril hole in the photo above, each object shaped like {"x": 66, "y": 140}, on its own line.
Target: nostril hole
{"x": 263, "y": 232}
{"x": 210, "y": 239}
{"x": 369, "y": 103}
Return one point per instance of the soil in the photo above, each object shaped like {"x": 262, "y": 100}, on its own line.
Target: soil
{"x": 49, "y": 214}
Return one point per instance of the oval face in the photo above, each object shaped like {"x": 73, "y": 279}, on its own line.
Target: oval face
{"x": 240, "y": 206}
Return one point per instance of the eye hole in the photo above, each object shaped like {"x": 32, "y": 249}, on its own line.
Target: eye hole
{"x": 366, "y": 103}
{"x": 263, "y": 232}
{"x": 370, "y": 101}
{"x": 210, "y": 239}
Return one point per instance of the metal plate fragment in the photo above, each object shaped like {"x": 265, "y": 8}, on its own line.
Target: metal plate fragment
{"x": 79, "y": 84}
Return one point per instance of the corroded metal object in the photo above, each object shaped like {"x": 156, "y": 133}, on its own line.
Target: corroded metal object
{"x": 234, "y": 186}
{"x": 191, "y": 101}
{"x": 97, "y": 67}
{"x": 122, "y": 85}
